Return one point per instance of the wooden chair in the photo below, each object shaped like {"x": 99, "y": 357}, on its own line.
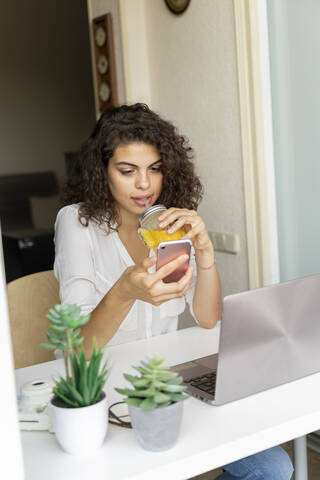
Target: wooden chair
{"x": 29, "y": 299}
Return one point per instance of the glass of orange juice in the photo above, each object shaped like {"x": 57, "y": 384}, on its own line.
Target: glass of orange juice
{"x": 149, "y": 230}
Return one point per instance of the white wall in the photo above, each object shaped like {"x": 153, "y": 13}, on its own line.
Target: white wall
{"x": 46, "y": 94}
{"x": 295, "y": 77}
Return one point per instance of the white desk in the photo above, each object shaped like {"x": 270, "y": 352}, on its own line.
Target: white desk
{"x": 210, "y": 436}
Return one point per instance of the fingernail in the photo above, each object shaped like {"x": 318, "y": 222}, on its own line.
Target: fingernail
{"x": 160, "y": 217}
{"x": 161, "y": 224}
{"x": 185, "y": 257}
{"x": 170, "y": 230}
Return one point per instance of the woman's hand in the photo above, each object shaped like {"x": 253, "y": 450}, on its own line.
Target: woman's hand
{"x": 176, "y": 218}
{"x": 139, "y": 284}
{"x": 207, "y": 295}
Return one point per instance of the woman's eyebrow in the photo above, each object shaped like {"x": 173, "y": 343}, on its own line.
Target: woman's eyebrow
{"x": 133, "y": 165}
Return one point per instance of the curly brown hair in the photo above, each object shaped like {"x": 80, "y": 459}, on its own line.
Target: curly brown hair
{"x": 87, "y": 182}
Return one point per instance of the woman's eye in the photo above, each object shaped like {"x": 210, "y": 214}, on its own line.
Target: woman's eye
{"x": 156, "y": 169}
{"x": 126, "y": 172}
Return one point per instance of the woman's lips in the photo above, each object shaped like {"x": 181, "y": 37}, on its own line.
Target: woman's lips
{"x": 142, "y": 201}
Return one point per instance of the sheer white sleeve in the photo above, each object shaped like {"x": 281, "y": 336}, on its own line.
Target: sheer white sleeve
{"x": 73, "y": 264}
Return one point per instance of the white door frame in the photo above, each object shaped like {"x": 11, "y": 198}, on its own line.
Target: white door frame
{"x": 251, "y": 31}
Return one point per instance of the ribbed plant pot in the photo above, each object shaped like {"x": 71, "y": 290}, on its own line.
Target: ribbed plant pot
{"x": 157, "y": 430}
{"x": 80, "y": 431}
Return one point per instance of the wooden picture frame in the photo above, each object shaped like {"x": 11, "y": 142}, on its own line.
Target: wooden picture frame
{"x": 104, "y": 60}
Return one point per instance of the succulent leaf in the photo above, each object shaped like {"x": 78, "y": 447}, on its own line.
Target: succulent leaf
{"x": 156, "y": 387}
{"x": 85, "y": 385}
{"x": 136, "y": 402}
{"x": 160, "y": 397}
{"x": 148, "y": 404}
{"x": 58, "y": 328}
{"x": 178, "y": 397}
{"x": 47, "y": 346}
{"x": 174, "y": 388}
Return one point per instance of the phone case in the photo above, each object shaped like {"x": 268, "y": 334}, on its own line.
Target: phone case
{"x": 168, "y": 251}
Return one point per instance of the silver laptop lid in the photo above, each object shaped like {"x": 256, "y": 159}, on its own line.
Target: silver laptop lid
{"x": 269, "y": 336}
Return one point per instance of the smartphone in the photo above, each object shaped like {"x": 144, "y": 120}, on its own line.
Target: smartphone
{"x": 168, "y": 251}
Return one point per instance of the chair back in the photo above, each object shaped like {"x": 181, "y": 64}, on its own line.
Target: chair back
{"x": 29, "y": 299}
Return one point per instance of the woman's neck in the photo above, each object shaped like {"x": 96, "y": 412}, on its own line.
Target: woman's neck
{"x": 129, "y": 223}
{"x": 128, "y": 234}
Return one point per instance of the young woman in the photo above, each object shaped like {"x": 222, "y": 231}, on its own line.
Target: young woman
{"x": 134, "y": 158}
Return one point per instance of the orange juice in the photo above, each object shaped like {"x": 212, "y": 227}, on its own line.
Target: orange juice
{"x": 152, "y": 238}
{"x": 150, "y": 232}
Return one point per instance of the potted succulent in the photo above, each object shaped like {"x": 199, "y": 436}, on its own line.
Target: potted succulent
{"x": 79, "y": 406}
{"x": 155, "y": 404}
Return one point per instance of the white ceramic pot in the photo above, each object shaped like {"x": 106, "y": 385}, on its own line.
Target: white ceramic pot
{"x": 157, "y": 430}
{"x": 80, "y": 431}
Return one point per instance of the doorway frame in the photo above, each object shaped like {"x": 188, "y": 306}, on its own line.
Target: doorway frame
{"x": 251, "y": 37}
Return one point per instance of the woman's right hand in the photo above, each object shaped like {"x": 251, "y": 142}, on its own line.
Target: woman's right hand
{"x": 138, "y": 284}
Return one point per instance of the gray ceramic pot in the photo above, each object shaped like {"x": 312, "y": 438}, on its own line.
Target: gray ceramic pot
{"x": 157, "y": 430}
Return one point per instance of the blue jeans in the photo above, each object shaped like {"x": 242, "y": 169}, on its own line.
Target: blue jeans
{"x": 271, "y": 464}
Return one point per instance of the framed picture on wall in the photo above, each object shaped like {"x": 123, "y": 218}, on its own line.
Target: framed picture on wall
{"x": 104, "y": 61}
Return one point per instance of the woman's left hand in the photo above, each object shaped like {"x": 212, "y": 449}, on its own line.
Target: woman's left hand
{"x": 196, "y": 231}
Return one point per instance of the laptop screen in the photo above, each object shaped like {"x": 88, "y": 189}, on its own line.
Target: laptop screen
{"x": 269, "y": 336}
{"x": 9, "y": 431}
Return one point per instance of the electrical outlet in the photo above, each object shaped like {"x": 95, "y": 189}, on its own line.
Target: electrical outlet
{"x": 225, "y": 242}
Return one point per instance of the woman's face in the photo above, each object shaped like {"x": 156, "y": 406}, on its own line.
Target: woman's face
{"x": 135, "y": 177}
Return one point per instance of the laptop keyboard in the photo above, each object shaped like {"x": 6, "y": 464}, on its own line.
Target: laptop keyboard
{"x": 206, "y": 383}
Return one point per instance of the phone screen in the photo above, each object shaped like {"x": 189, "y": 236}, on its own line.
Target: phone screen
{"x": 168, "y": 251}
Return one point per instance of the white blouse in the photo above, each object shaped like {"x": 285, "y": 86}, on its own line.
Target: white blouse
{"x": 88, "y": 261}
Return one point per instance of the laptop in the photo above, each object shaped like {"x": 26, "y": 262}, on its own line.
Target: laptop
{"x": 269, "y": 336}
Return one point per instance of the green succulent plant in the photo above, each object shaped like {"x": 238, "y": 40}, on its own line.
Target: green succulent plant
{"x": 84, "y": 380}
{"x": 156, "y": 387}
